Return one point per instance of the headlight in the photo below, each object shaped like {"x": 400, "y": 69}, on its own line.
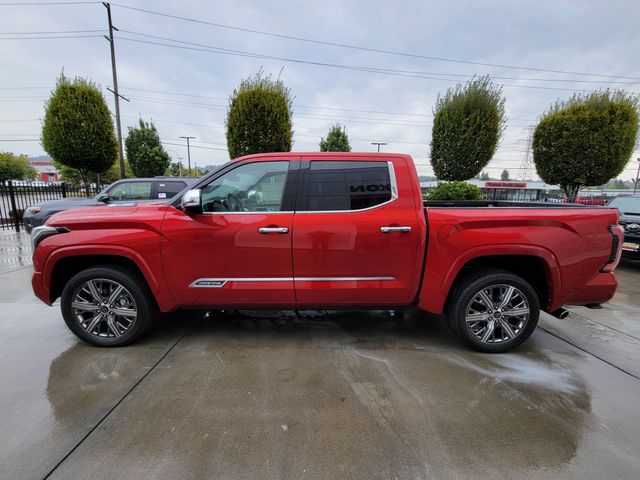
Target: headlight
{"x": 40, "y": 233}
{"x": 33, "y": 210}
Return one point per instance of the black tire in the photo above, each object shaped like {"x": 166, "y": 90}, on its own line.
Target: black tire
{"x": 502, "y": 338}
{"x": 136, "y": 293}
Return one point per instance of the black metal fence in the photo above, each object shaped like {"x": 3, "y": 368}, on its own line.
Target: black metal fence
{"x": 16, "y": 196}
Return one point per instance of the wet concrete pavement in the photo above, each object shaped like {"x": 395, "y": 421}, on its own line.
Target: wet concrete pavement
{"x": 350, "y": 395}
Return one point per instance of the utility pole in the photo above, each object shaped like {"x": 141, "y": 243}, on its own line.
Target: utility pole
{"x": 116, "y": 95}
{"x": 188, "y": 153}
{"x": 378, "y": 144}
{"x": 635, "y": 185}
{"x": 180, "y": 164}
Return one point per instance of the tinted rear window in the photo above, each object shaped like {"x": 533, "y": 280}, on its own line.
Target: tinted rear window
{"x": 338, "y": 185}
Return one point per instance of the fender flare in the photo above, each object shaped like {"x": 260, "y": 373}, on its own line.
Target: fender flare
{"x": 115, "y": 251}
{"x": 434, "y": 300}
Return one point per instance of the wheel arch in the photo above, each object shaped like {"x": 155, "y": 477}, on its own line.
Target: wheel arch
{"x": 530, "y": 268}
{"x": 63, "y": 264}
{"x": 440, "y": 280}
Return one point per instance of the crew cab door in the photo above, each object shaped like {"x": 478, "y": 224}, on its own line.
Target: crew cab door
{"x": 238, "y": 250}
{"x": 355, "y": 233}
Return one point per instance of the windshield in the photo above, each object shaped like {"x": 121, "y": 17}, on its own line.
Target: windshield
{"x": 626, "y": 204}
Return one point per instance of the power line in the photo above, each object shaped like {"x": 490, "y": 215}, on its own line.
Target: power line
{"x": 50, "y": 33}
{"x": 225, "y": 51}
{"x": 50, "y": 37}
{"x": 361, "y": 120}
{"x": 30, "y": 4}
{"x": 295, "y": 104}
{"x": 367, "y": 49}
{"x": 376, "y": 69}
{"x": 21, "y": 120}
{"x": 193, "y": 146}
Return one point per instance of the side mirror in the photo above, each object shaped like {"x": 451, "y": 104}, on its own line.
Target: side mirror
{"x": 191, "y": 202}
{"x": 104, "y": 198}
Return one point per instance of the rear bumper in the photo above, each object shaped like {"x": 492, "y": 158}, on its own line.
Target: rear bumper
{"x": 39, "y": 289}
{"x": 599, "y": 289}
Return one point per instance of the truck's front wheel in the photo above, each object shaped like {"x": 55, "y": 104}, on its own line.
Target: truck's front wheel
{"x": 107, "y": 306}
{"x": 493, "y": 311}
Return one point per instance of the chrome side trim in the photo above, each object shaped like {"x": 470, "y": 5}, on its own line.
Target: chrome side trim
{"x": 221, "y": 282}
{"x": 394, "y": 197}
{"x": 208, "y": 283}
{"x": 341, "y": 279}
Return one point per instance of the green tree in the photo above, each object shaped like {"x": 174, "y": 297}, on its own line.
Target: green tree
{"x": 337, "y": 140}
{"x": 586, "y": 140}
{"x": 456, "y": 190}
{"x": 175, "y": 169}
{"x": 77, "y": 130}
{"x": 467, "y": 125}
{"x": 259, "y": 117}
{"x": 71, "y": 175}
{"x": 15, "y": 167}
{"x": 145, "y": 153}
{"x": 504, "y": 176}
{"x": 484, "y": 176}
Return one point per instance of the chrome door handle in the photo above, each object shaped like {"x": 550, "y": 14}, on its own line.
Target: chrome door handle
{"x": 395, "y": 229}
{"x": 273, "y": 230}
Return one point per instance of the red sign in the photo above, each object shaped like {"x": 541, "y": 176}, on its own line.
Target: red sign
{"x": 505, "y": 184}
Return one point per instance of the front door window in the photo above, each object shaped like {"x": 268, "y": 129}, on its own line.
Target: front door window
{"x": 253, "y": 187}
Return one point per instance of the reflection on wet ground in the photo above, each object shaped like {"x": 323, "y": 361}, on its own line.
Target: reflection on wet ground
{"x": 15, "y": 250}
{"x": 305, "y": 394}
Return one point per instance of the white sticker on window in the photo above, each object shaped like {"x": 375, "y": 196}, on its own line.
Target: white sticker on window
{"x": 162, "y": 195}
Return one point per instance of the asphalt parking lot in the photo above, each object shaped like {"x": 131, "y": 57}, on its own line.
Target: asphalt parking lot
{"x": 318, "y": 395}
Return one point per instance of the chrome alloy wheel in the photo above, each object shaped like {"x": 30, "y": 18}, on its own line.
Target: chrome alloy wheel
{"x": 104, "y": 308}
{"x": 497, "y": 313}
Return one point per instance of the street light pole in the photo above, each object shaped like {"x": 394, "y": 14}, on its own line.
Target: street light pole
{"x": 378, "y": 144}
{"x": 635, "y": 185}
{"x": 188, "y": 153}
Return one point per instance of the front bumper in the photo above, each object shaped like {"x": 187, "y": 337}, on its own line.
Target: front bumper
{"x": 631, "y": 246}
{"x": 39, "y": 289}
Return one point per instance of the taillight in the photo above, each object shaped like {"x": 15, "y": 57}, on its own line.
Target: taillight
{"x": 617, "y": 237}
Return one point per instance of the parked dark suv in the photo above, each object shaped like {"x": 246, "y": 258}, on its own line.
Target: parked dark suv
{"x": 629, "y": 207}
{"x": 122, "y": 191}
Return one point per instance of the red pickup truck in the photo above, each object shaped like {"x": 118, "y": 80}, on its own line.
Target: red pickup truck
{"x": 324, "y": 230}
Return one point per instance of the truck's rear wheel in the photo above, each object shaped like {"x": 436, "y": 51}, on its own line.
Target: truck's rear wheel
{"x": 107, "y": 306}
{"x": 493, "y": 311}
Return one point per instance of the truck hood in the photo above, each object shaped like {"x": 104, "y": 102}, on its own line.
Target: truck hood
{"x": 67, "y": 203}
{"x": 108, "y": 216}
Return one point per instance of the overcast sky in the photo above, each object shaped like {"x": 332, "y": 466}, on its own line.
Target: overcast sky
{"x": 185, "y": 90}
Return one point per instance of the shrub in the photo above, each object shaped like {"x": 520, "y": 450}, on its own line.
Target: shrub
{"x": 456, "y": 190}
{"x": 77, "y": 130}
{"x": 586, "y": 140}
{"x": 259, "y": 117}
{"x": 467, "y": 125}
